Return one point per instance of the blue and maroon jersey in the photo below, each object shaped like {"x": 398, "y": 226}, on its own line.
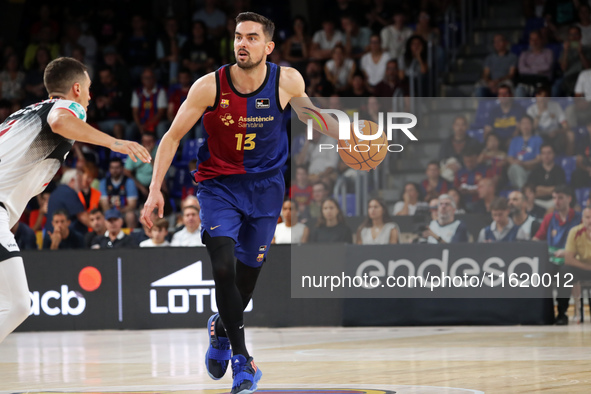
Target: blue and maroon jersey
{"x": 243, "y": 133}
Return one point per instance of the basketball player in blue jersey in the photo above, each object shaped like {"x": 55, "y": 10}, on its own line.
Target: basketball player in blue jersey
{"x": 241, "y": 186}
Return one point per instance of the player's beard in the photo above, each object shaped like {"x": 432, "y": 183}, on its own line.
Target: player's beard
{"x": 248, "y": 64}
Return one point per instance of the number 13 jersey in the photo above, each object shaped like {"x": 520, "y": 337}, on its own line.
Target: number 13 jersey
{"x": 243, "y": 133}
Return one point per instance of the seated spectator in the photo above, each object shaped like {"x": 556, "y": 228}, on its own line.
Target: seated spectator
{"x": 139, "y": 50}
{"x": 331, "y": 226}
{"x": 499, "y": 68}
{"x": 38, "y": 217}
{"x": 358, "y": 87}
{"x": 377, "y": 228}
{"x": 535, "y": 66}
{"x": 574, "y": 59}
{"x": 434, "y": 185}
{"x": 517, "y": 210}
{"x": 550, "y": 122}
{"x": 486, "y": 192}
{"x": 296, "y": 49}
{"x": 112, "y": 104}
{"x": 158, "y": 234}
{"x": 556, "y": 225}
{"x": 414, "y": 64}
{"x": 301, "y": 190}
{"x": 198, "y": 54}
{"x": 467, "y": 178}
{"x": 325, "y": 40}
{"x": 322, "y": 166}
{"x": 178, "y": 95}
{"x": 25, "y": 237}
{"x": 433, "y": 206}
{"x": 44, "y": 40}
{"x": 65, "y": 197}
{"x": 391, "y": 85}
{"x": 409, "y": 201}
{"x": 339, "y": 69}
{"x": 12, "y": 81}
{"x": 378, "y": 15}
{"x": 190, "y": 235}
{"x": 62, "y": 237}
{"x": 585, "y": 23}
{"x": 226, "y": 53}
{"x": 290, "y": 231}
{"x": 149, "y": 105}
{"x": 577, "y": 262}
{"x": 503, "y": 117}
{"x": 532, "y": 209}
{"x": 138, "y": 171}
{"x": 579, "y": 113}
{"x": 581, "y": 176}
{"x": 457, "y": 142}
{"x": 356, "y": 38}
{"x": 98, "y": 225}
{"x": 114, "y": 238}
{"x": 168, "y": 47}
{"x": 115, "y": 62}
{"x": 319, "y": 193}
{"x": 316, "y": 83}
{"x": 546, "y": 176}
{"x": 446, "y": 228}
{"x": 456, "y": 197}
{"x": 395, "y": 35}
{"x": 493, "y": 156}
{"x": 502, "y": 229}
{"x": 34, "y": 87}
{"x": 89, "y": 196}
{"x": 524, "y": 153}
{"x": 214, "y": 18}
{"x": 373, "y": 63}
{"x": 117, "y": 190}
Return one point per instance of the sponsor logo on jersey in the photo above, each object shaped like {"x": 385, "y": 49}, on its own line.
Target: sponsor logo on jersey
{"x": 225, "y": 103}
{"x": 262, "y": 103}
{"x": 78, "y": 110}
{"x": 227, "y": 119}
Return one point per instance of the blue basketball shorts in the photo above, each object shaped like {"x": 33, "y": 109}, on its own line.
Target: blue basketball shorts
{"x": 244, "y": 207}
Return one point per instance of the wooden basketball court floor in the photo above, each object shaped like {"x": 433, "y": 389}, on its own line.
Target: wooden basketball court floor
{"x": 515, "y": 359}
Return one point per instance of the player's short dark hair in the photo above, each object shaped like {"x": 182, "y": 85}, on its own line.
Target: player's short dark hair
{"x": 61, "y": 73}
{"x": 499, "y": 204}
{"x": 268, "y": 25}
{"x": 63, "y": 212}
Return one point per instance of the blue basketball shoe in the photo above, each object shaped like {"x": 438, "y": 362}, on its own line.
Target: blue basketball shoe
{"x": 219, "y": 353}
{"x": 246, "y": 375}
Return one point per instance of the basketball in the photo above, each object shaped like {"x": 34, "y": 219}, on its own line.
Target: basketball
{"x": 360, "y": 154}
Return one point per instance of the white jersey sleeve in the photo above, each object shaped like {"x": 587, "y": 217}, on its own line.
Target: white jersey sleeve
{"x": 31, "y": 153}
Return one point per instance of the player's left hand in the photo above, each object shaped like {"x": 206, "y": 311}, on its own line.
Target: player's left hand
{"x": 155, "y": 200}
{"x": 133, "y": 149}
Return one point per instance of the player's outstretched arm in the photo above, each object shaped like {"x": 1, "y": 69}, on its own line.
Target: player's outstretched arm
{"x": 63, "y": 123}
{"x": 201, "y": 95}
{"x": 292, "y": 85}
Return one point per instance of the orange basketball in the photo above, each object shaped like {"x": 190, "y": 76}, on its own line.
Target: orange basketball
{"x": 360, "y": 154}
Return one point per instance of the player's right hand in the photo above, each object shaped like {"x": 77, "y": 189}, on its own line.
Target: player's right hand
{"x": 133, "y": 149}
{"x": 155, "y": 200}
